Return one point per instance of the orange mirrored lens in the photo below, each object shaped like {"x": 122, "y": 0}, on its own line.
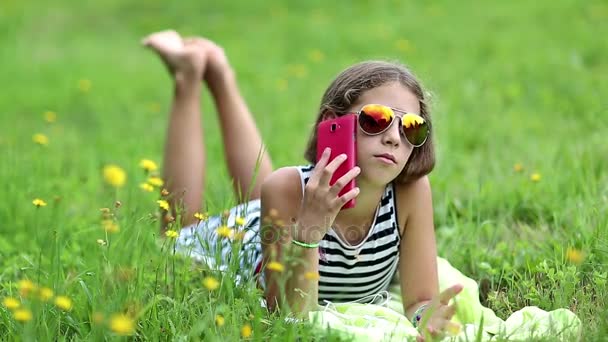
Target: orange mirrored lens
{"x": 415, "y": 128}
{"x": 375, "y": 118}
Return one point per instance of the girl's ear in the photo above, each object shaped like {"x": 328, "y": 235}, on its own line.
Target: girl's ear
{"x": 329, "y": 114}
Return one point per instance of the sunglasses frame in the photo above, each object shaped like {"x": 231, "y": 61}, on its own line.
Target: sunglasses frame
{"x": 402, "y": 129}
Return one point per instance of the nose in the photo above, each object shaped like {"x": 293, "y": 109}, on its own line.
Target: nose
{"x": 392, "y": 136}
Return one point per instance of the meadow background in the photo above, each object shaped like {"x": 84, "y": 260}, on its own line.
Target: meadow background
{"x": 520, "y": 187}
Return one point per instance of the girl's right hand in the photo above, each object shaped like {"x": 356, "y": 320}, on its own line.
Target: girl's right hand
{"x": 321, "y": 202}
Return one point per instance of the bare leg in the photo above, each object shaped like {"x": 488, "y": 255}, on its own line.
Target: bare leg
{"x": 184, "y": 159}
{"x": 243, "y": 144}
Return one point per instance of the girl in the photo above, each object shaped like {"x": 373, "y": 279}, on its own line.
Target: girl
{"x": 343, "y": 255}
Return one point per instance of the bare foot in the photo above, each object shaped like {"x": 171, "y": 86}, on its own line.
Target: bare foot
{"x": 217, "y": 63}
{"x": 183, "y": 59}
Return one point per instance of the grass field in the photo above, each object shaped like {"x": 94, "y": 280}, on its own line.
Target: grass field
{"x": 520, "y": 187}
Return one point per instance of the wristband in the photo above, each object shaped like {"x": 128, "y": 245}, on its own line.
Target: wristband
{"x": 304, "y": 244}
{"x": 418, "y": 315}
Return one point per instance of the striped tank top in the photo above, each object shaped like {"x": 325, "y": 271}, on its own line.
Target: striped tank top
{"x": 352, "y": 273}
{"x": 347, "y": 273}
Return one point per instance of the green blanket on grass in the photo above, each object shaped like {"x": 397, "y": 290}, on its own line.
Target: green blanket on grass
{"x": 371, "y": 322}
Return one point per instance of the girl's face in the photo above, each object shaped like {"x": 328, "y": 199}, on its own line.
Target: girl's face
{"x": 377, "y": 170}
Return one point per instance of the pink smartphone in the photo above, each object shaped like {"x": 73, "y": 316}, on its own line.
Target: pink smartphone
{"x": 339, "y": 134}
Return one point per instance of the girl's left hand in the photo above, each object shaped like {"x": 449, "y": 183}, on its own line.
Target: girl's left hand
{"x": 436, "y": 317}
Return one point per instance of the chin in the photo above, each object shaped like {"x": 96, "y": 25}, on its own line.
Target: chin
{"x": 378, "y": 177}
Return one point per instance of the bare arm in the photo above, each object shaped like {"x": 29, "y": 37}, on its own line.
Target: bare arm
{"x": 418, "y": 262}
{"x": 418, "y": 257}
{"x": 279, "y": 213}
{"x": 309, "y": 217}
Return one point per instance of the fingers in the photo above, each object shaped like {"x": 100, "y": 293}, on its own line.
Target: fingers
{"x": 453, "y": 328}
{"x": 442, "y": 327}
{"x": 322, "y": 174}
{"x": 342, "y": 181}
{"x": 328, "y": 172}
{"x": 449, "y": 293}
{"x": 314, "y": 178}
{"x": 448, "y": 312}
{"x": 440, "y": 322}
{"x": 342, "y": 200}
{"x": 324, "y": 169}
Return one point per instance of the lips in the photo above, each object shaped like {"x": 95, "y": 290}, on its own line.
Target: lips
{"x": 387, "y": 156}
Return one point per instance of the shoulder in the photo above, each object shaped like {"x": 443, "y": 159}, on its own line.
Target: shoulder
{"x": 282, "y": 189}
{"x": 285, "y": 179}
{"x": 412, "y": 198}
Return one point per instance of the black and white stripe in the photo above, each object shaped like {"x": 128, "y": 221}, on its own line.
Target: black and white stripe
{"x": 350, "y": 273}
{"x": 347, "y": 273}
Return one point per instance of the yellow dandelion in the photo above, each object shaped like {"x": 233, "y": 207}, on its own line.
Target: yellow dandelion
{"x": 518, "y": 167}
{"x": 453, "y": 328}
{"x": 104, "y": 210}
{"x": 277, "y": 12}
{"x": 64, "y": 303}
{"x": 110, "y": 226}
{"x": 154, "y": 107}
{"x": 297, "y": 70}
{"x": 211, "y": 283}
{"x": 316, "y": 55}
{"x": 84, "y": 85}
{"x": 114, "y": 175}
{"x": 535, "y": 177}
{"x": 11, "y": 303}
{"x": 39, "y": 203}
{"x": 403, "y": 45}
{"x": 273, "y": 213}
{"x": 575, "y": 256}
{"x": 276, "y": 266}
{"x": 50, "y": 116}
{"x": 239, "y": 221}
{"x": 40, "y": 139}
{"x": 122, "y": 324}
{"x": 201, "y": 217}
{"x": 45, "y": 294}
{"x": 219, "y": 320}
{"x": 225, "y": 231}
{"x": 26, "y": 287}
{"x": 148, "y": 165}
{"x": 412, "y": 120}
{"x": 23, "y": 315}
{"x": 246, "y": 331}
{"x": 239, "y": 235}
{"x": 282, "y": 84}
{"x": 311, "y": 275}
{"x": 156, "y": 181}
{"x": 163, "y": 204}
{"x": 146, "y": 187}
{"x": 172, "y": 234}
